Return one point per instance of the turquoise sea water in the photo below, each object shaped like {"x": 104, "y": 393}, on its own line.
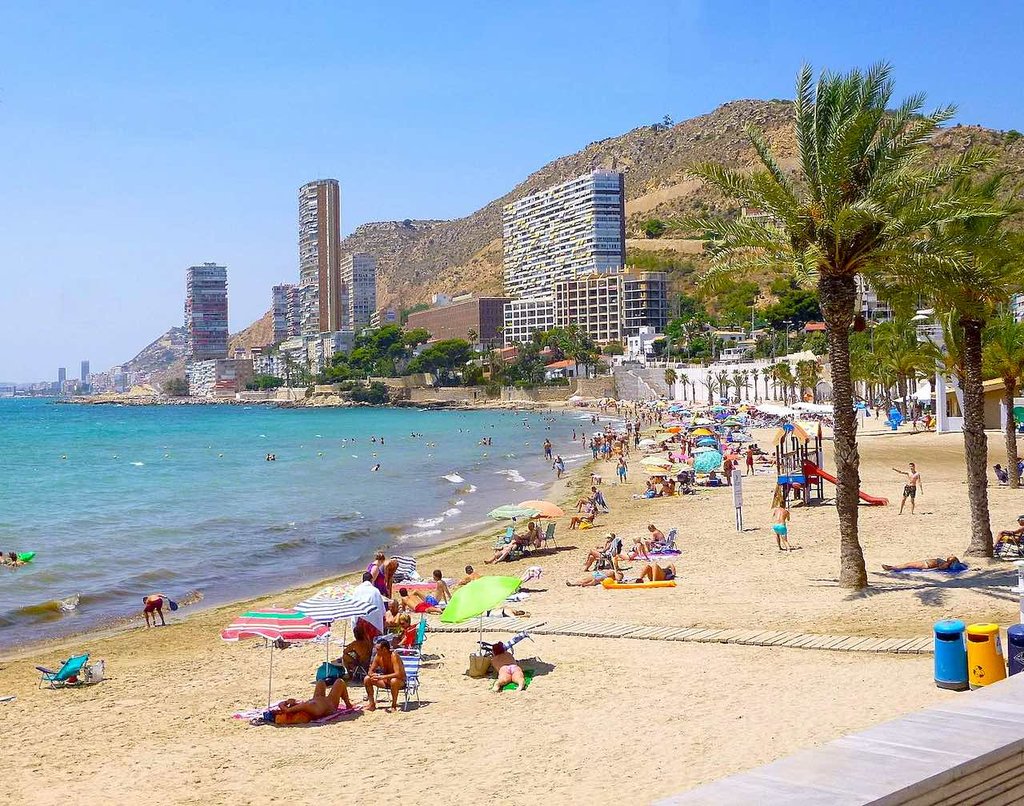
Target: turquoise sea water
{"x": 180, "y": 498}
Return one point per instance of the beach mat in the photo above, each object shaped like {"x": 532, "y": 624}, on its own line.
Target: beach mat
{"x": 528, "y": 675}
{"x": 959, "y": 568}
{"x": 326, "y": 720}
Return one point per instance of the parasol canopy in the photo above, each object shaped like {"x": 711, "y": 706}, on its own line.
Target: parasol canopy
{"x": 274, "y": 623}
{"x": 545, "y": 509}
{"x": 508, "y": 512}
{"x": 707, "y": 461}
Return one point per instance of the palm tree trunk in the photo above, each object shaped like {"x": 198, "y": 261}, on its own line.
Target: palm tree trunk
{"x": 975, "y": 441}
{"x": 836, "y": 296}
{"x": 1010, "y": 431}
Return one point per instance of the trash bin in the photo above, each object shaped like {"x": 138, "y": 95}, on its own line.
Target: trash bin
{"x": 984, "y": 655}
{"x": 951, "y": 655}
{"x": 1015, "y": 648}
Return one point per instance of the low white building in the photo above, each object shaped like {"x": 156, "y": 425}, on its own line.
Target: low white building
{"x": 641, "y": 346}
{"x": 218, "y": 377}
{"x": 524, "y": 317}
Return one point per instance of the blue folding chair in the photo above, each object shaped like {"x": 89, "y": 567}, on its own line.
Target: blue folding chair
{"x": 71, "y": 673}
{"x": 411, "y": 660}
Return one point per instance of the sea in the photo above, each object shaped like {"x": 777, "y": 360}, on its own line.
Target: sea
{"x": 122, "y": 501}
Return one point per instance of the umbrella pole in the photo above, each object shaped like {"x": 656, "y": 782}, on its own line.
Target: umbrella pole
{"x": 481, "y": 633}
{"x": 270, "y": 680}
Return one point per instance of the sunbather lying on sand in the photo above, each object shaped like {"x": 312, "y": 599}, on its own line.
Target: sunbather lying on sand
{"x": 323, "y": 703}
{"x": 657, "y": 573}
{"x": 417, "y": 602}
{"x": 595, "y": 578}
{"x": 932, "y": 564}
{"x": 506, "y": 667}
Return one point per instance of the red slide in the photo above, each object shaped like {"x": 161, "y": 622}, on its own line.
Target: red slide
{"x": 811, "y": 469}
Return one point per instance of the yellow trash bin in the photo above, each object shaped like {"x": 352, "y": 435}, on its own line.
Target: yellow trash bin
{"x": 984, "y": 655}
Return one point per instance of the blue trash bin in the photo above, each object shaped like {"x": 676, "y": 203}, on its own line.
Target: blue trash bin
{"x": 951, "y": 655}
{"x": 1015, "y": 647}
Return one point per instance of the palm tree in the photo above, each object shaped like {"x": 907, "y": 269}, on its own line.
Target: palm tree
{"x": 712, "y": 384}
{"x": 808, "y": 374}
{"x": 970, "y": 266}
{"x": 1003, "y": 357}
{"x": 862, "y": 197}
{"x": 670, "y": 380}
{"x": 755, "y": 373}
{"x": 723, "y": 383}
{"x": 737, "y": 383}
{"x": 786, "y": 380}
{"x": 898, "y": 354}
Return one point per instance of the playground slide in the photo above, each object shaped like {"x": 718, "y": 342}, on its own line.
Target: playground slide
{"x": 870, "y": 500}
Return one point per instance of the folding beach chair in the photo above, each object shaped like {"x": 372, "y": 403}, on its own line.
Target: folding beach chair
{"x": 412, "y": 659}
{"x": 549, "y": 536}
{"x": 406, "y": 570}
{"x": 614, "y": 550}
{"x": 71, "y": 673}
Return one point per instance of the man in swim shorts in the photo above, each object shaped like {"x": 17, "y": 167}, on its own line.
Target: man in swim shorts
{"x": 913, "y": 486}
{"x": 780, "y": 525}
{"x": 154, "y": 603}
{"x": 323, "y": 703}
{"x": 386, "y": 672}
{"x": 417, "y": 602}
{"x": 507, "y": 669}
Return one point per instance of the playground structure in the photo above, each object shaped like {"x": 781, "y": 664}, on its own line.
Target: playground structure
{"x": 798, "y": 464}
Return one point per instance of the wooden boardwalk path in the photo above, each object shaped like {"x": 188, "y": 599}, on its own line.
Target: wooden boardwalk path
{"x": 701, "y": 635}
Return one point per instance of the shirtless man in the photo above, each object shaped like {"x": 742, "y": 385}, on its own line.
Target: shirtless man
{"x": 441, "y": 591}
{"x": 913, "y": 486}
{"x": 154, "y": 603}
{"x": 357, "y": 653}
{"x": 507, "y": 669}
{"x": 386, "y": 672}
{"x": 323, "y": 703}
{"x": 471, "y": 574}
{"x": 417, "y": 602}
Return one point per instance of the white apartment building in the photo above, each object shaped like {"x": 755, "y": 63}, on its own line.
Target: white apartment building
{"x": 525, "y": 316}
{"x": 868, "y": 303}
{"x": 358, "y": 289}
{"x": 286, "y": 305}
{"x": 593, "y": 302}
{"x": 1017, "y": 307}
{"x": 562, "y": 231}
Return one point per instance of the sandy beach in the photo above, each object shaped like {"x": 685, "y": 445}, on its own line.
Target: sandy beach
{"x": 605, "y": 720}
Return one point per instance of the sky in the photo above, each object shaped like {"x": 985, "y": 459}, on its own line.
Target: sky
{"x": 139, "y": 138}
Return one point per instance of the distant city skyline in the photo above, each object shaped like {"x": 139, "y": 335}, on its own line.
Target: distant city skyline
{"x": 137, "y": 148}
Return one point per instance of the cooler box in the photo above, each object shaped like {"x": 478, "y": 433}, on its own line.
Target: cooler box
{"x": 1015, "y": 648}
{"x": 951, "y": 655}
{"x": 984, "y": 655}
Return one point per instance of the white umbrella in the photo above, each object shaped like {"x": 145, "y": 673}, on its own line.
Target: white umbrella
{"x": 328, "y": 609}
{"x": 365, "y": 592}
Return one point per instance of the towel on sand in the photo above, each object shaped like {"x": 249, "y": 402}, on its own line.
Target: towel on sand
{"x": 528, "y": 675}
{"x": 953, "y": 570}
{"x": 252, "y": 714}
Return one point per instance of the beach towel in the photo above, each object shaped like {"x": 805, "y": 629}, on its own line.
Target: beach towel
{"x": 665, "y": 553}
{"x": 953, "y": 570}
{"x": 528, "y": 675}
{"x": 255, "y": 717}
{"x": 406, "y": 569}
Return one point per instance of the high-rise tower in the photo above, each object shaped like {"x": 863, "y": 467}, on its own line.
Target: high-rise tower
{"x": 319, "y": 254}
{"x": 206, "y": 312}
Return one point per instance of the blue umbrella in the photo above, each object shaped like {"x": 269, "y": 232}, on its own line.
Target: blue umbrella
{"x": 708, "y": 461}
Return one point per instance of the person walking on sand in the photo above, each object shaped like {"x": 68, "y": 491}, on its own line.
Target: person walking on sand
{"x": 913, "y": 486}
{"x": 547, "y": 449}
{"x": 559, "y": 466}
{"x": 750, "y": 460}
{"x": 780, "y": 523}
{"x": 621, "y": 469}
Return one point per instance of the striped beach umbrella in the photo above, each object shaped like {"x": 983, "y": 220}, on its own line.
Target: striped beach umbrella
{"x": 328, "y": 609}
{"x": 273, "y": 624}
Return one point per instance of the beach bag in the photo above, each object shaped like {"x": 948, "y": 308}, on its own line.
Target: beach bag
{"x": 479, "y": 665}
{"x": 94, "y": 673}
{"x": 329, "y": 671}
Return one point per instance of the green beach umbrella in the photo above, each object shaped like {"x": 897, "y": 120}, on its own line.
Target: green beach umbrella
{"x": 507, "y": 512}
{"x": 477, "y": 597}
{"x": 1018, "y": 414}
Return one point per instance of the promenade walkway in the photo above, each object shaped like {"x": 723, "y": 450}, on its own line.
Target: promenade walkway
{"x": 701, "y": 635}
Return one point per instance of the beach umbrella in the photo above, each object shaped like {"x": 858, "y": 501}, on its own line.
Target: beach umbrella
{"x": 477, "y": 597}
{"x": 647, "y": 443}
{"x": 677, "y": 456}
{"x": 328, "y": 609}
{"x": 273, "y": 624}
{"x": 545, "y": 509}
{"x": 700, "y": 432}
{"x": 1018, "y": 414}
{"x": 707, "y": 461}
{"x": 509, "y": 512}
{"x": 655, "y": 461}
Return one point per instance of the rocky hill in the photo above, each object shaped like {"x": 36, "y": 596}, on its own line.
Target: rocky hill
{"x": 416, "y": 259}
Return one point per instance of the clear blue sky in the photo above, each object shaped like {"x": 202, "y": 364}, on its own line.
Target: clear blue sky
{"x": 138, "y": 138}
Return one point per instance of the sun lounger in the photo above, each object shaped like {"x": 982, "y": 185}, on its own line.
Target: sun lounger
{"x": 71, "y": 673}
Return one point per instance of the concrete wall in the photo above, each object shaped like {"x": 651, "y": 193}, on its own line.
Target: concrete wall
{"x": 449, "y": 394}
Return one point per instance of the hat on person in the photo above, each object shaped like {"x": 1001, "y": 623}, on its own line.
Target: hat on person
{"x": 383, "y": 640}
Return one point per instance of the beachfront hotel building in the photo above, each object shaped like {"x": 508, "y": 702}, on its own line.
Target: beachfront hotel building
{"x": 613, "y": 307}
{"x": 206, "y": 312}
{"x": 358, "y": 283}
{"x": 478, "y": 320}
{"x": 644, "y": 301}
{"x": 524, "y": 317}
{"x": 287, "y": 310}
{"x": 562, "y": 231}
{"x": 319, "y": 256}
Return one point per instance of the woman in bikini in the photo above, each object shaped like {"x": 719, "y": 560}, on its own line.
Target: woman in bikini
{"x": 657, "y": 573}
{"x": 931, "y": 564}
{"x": 507, "y": 669}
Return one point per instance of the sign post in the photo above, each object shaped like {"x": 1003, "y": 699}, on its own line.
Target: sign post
{"x": 737, "y": 497}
